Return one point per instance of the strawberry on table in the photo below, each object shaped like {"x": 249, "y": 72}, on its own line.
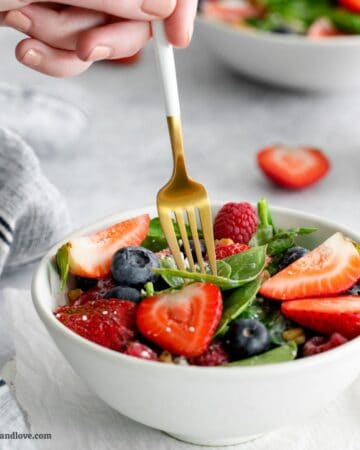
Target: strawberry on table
{"x": 109, "y": 323}
{"x": 293, "y": 168}
{"x": 329, "y": 269}
{"x": 90, "y": 256}
{"x": 181, "y": 322}
{"x": 326, "y": 315}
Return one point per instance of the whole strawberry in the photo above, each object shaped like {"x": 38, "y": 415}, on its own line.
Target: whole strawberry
{"x": 236, "y": 221}
{"x": 110, "y": 323}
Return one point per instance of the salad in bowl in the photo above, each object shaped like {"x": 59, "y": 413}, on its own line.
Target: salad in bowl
{"x": 210, "y": 360}
{"x": 271, "y": 300}
{"x": 312, "y": 18}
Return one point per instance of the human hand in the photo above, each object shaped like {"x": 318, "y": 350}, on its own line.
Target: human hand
{"x": 66, "y": 38}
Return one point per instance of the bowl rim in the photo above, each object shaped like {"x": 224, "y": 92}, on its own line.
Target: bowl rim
{"x": 265, "y": 36}
{"x": 48, "y": 318}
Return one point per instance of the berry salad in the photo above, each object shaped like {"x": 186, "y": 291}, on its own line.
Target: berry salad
{"x": 272, "y": 300}
{"x": 312, "y": 18}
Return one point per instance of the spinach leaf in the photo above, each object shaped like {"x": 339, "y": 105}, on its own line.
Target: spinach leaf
{"x": 223, "y": 269}
{"x": 155, "y": 239}
{"x": 266, "y": 229}
{"x": 286, "y": 352}
{"x": 236, "y": 303}
{"x": 245, "y": 267}
{"x": 285, "y": 239}
{"x": 63, "y": 264}
{"x": 173, "y": 281}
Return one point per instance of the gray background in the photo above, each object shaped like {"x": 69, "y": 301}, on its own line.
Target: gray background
{"x": 124, "y": 157}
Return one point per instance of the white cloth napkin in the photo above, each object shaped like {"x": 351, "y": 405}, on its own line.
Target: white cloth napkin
{"x": 57, "y": 401}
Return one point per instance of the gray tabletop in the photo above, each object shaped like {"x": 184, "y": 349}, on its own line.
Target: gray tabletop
{"x": 124, "y": 157}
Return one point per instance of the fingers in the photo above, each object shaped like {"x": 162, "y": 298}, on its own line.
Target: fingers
{"x": 116, "y": 40}
{"x": 128, "y": 9}
{"x": 55, "y": 28}
{"x": 48, "y": 60}
{"x": 180, "y": 25}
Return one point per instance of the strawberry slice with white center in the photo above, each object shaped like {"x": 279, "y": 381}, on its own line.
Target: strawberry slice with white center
{"x": 329, "y": 269}
{"x": 293, "y": 168}
{"x": 326, "y": 315}
{"x": 181, "y": 322}
{"x": 90, "y": 256}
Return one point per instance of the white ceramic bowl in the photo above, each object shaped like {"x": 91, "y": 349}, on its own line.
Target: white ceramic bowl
{"x": 201, "y": 405}
{"x": 285, "y": 60}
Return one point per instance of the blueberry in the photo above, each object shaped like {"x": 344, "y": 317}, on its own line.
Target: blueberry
{"x": 247, "y": 337}
{"x": 291, "y": 255}
{"x": 85, "y": 283}
{"x": 124, "y": 293}
{"x": 132, "y": 266}
{"x": 192, "y": 248}
{"x": 355, "y": 290}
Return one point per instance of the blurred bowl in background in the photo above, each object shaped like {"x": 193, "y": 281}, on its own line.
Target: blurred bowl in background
{"x": 331, "y": 63}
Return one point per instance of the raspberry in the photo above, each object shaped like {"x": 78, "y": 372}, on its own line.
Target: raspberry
{"x": 139, "y": 350}
{"x": 236, "y": 221}
{"x": 110, "y": 323}
{"x": 223, "y": 251}
{"x": 215, "y": 355}
{"x": 319, "y": 344}
{"x": 103, "y": 286}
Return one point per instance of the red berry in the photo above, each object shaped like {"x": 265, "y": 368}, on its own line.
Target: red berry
{"x": 139, "y": 350}
{"x": 110, "y": 323}
{"x": 181, "y": 322}
{"x": 103, "y": 286}
{"x": 293, "y": 168}
{"x": 223, "y": 251}
{"x": 236, "y": 221}
{"x": 319, "y": 344}
{"x": 352, "y": 5}
{"x": 214, "y": 355}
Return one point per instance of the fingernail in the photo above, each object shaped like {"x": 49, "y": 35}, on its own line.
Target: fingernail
{"x": 18, "y": 20}
{"x": 155, "y": 7}
{"x": 32, "y": 58}
{"x": 100, "y": 52}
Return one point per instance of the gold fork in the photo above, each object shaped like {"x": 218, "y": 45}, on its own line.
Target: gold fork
{"x": 181, "y": 195}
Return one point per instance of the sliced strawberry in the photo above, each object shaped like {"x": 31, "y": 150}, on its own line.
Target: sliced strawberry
{"x": 329, "y": 269}
{"x": 293, "y": 168}
{"x": 182, "y": 322}
{"x": 353, "y": 5}
{"x": 326, "y": 315}
{"x": 90, "y": 256}
{"x": 231, "y": 12}
{"x": 110, "y": 323}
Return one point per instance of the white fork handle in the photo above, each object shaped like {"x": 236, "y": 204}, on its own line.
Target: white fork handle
{"x": 166, "y": 64}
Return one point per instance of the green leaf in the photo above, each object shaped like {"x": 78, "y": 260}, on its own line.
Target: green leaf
{"x": 149, "y": 289}
{"x": 63, "y": 263}
{"x": 155, "y": 239}
{"x": 245, "y": 267}
{"x": 284, "y": 353}
{"x": 266, "y": 228}
{"x": 172, "y": 280}
{"x": 285, "y": 239}
{"x": 236, "y": 303}
{"x": 223, "y": 269}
